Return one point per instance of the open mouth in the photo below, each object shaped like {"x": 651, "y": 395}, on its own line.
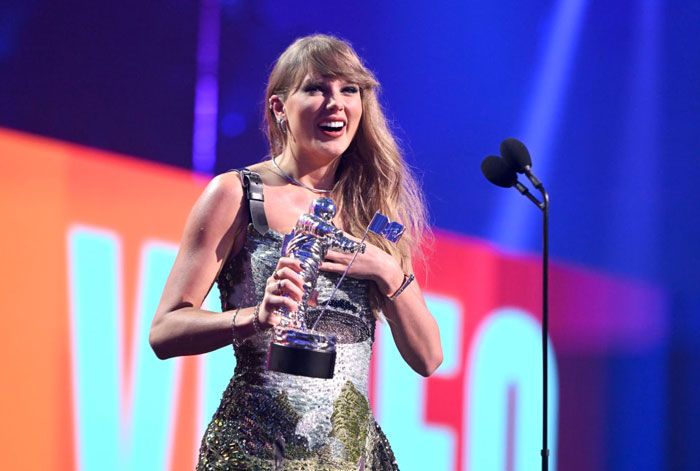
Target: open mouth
{"x": 332, "y": 128}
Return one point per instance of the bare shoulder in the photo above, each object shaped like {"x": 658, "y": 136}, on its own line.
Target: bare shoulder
{"x": 218, "y": 209}
{"x": 224, "y": 191}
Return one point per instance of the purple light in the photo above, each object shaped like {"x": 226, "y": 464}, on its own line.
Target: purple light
{"x": 206, "y": 89}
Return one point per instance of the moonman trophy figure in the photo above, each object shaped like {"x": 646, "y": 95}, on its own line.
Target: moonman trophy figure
{"x": 294, "y": 349}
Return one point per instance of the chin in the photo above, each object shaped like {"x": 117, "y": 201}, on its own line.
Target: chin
{"x": 332, "y": 151}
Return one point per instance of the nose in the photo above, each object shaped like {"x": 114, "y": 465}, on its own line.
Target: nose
{"x": 335, "y": 100}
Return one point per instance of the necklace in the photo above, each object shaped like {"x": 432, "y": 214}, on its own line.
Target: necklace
{"x": 296, "y": 182}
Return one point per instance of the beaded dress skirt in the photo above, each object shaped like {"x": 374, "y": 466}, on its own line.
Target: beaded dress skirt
{"x": 275, "y": 421}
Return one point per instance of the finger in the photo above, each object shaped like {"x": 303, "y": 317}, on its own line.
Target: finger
{"x": 289, "y": 262}
{"x": 274, "y": 287}
{"x": 290, "y": 274}
{"x": 368, "y": 244}
{"x": 336, "y": 256}
{"x": 269, "y": 319}
{"x": 272, "y": 321}
{"x": 333, "y": 267}
{"x": 274, "y": 302}
{"x": 277, "y": 302}
{"x": 284, "y": 274}
{"x": 286, "y": 287}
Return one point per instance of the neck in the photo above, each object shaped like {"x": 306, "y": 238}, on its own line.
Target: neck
{"x": 307, "y": 170}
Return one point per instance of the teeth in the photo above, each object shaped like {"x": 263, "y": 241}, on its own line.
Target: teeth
{"x": 333, "y": 124}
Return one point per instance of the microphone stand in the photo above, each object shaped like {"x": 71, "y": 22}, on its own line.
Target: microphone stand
{"x": 545, "y": 320}
{"x": 504, "y": 175}
{"x": 544, "y": 207}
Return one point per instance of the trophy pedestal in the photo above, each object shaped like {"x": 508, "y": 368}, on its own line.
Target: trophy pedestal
{"x": 302, "y": 353}
{"x": 300, "y": 361}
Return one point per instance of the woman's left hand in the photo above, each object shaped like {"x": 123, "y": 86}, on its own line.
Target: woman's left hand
{"x": 375, "y": 264}
{"x": 413, "y": 327}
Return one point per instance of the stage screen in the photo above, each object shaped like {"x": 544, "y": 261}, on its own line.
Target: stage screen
{"x": 87, "y": 243}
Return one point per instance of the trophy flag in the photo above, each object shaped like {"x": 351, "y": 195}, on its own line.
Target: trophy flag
{"x": 391, "y": 231}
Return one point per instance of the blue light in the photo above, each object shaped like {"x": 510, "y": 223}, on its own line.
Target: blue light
{"x": 94, "y": 258}
{"x": 636, "y": 190}
{"x": 506, "y": 354}
{"x": 108, "y": 436}
{"x": 233, "y": 124}
{"x": 513, "y": 223}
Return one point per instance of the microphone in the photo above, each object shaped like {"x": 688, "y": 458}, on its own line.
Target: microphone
{"x": 502, "y": 172}
{"x": 499, "y": 172}
{"x": 516, "y": 154}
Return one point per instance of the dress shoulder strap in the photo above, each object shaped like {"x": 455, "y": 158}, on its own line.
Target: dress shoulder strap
{"x": 252, "y": 184}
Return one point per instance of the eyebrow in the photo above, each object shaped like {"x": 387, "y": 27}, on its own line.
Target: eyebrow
{"x": 317, "y": 78}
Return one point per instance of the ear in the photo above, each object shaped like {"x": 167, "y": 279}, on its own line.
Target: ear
{"x": 276, "y": 104}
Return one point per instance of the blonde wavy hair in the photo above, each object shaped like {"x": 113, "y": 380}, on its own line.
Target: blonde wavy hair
{"x": 372, "y": 175}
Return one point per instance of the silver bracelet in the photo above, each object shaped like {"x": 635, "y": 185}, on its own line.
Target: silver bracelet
{"x": 235, "y": 340}
{"x": 407, "y": 279}
{"x": 256, "y": 321}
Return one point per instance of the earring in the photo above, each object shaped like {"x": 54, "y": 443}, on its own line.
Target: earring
{"x": 282, "y": 122}
{"x": 270, "y": 102}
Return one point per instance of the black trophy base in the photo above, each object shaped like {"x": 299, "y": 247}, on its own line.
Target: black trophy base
{"x": 301, "y": 361}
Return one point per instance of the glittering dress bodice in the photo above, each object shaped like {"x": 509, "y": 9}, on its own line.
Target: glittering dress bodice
{"x": 270, "y": 420}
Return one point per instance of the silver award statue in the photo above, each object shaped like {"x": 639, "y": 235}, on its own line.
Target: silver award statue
{"x": 295, "y": 349}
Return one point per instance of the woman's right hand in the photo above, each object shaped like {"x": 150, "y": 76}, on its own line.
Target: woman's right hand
{"x": 284, "y": 288}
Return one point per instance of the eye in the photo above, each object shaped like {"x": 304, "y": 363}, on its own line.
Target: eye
{"x": 351, "y": 89}
{"x": 313, "y": 88}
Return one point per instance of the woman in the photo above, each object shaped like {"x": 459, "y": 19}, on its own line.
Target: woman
{"x": 328, "y": 137}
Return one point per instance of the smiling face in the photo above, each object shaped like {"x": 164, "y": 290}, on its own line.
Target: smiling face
{"x": 322, "y": 116}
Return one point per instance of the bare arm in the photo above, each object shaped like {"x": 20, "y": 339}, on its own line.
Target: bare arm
{"x": 214, "y": 230}
{"x": 180, "y": 326}
{"x": 414, "y": 329}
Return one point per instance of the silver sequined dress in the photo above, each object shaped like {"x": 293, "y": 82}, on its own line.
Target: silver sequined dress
{"x": 271, "y": 421}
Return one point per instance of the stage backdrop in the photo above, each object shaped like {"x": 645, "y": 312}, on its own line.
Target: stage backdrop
{"x": 88, "y": 240}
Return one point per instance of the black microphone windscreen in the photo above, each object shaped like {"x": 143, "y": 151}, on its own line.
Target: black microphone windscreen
{"x": 516, "y": 154}
{"x": 497, "y": 171}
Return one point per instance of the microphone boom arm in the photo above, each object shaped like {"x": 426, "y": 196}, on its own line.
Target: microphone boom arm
{"x": 524, "y": 191}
